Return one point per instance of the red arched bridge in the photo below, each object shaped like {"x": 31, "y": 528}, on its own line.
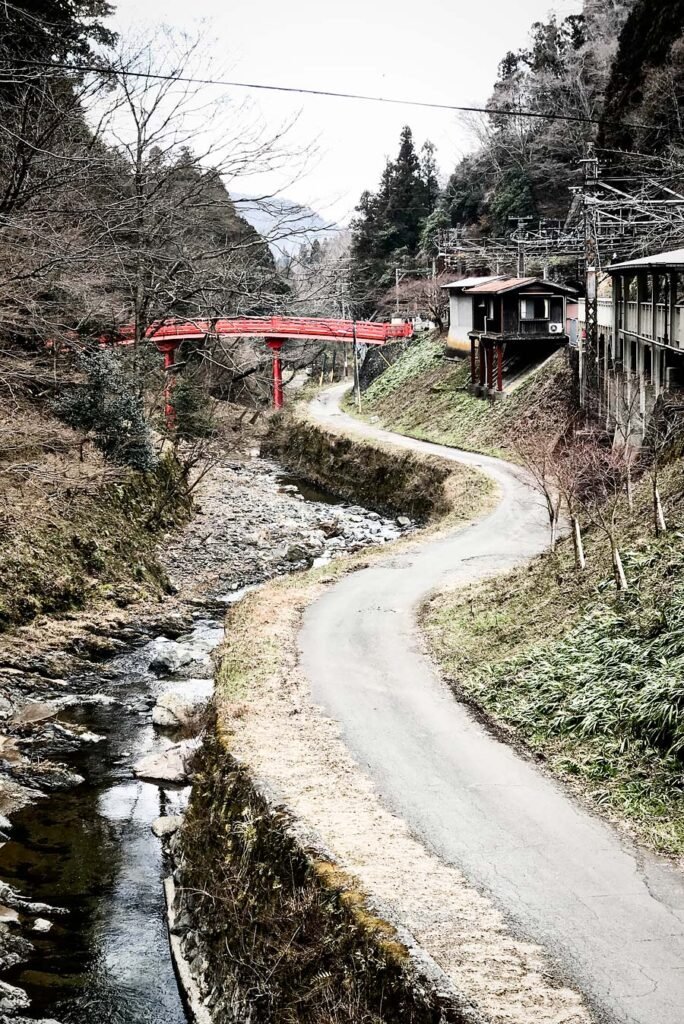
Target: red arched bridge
{"x": 167, "y": 335}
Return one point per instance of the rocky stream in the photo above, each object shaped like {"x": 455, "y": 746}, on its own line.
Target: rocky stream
{"x": 96, "y": 736}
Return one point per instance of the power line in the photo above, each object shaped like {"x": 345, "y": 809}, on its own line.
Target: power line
{"x": 330, "y": 94}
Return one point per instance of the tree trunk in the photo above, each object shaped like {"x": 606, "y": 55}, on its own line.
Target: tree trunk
{"x": 658, "y": 514}
{"x": 554, "y": 531}
{"x": 580, "y": 560}
{"x": 630, "y": 489}
{"x": 618, "y": 568}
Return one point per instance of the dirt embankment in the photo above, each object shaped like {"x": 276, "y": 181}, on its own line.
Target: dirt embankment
{"x": 98, "y": 549}
{"x": 378, "y": 477}
{"x": 328, "y": 908}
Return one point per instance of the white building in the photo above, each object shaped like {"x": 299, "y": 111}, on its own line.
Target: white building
{"x": 461, "y": 311}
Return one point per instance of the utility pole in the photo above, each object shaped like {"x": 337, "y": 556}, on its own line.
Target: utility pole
{"x": 589, "y": 370}
{"x": 521, "y": 260}
{"x": 357, "y": 379}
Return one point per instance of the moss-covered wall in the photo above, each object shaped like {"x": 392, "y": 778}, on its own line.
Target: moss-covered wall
{"x": 381, "y": 478}
{"x": 279, "y": 935}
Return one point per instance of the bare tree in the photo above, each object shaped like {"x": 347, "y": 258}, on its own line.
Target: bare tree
{"x": 536, "y": 448}
{"x": 601, "y": 470}
{"x": 662, "y": 442}
{"x": 421, "y": 296}
{"x": 570, "y": 463}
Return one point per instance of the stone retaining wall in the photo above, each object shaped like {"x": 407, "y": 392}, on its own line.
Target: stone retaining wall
{"x": 384, "y": 479}
{"x": 274, "y": 932}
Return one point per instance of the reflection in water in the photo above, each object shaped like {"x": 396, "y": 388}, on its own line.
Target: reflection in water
{"x": 90, "y": 850}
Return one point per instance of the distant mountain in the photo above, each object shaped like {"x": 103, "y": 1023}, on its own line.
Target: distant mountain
{"x": 283, "y": 223}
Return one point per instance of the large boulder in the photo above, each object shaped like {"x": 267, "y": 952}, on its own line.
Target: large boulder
{"x": 12, "y": 999}
{"x": 164, "y": 828}
{"x": 169, "y": 656}
{"x": 171, "y": 766}
{"x": 173, "y": 711}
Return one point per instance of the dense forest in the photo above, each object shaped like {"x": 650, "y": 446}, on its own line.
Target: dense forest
{"x": 616, "y": 66}
{"x": 97, "y": 232}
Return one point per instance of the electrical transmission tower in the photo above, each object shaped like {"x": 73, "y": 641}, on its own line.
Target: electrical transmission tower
{"x": 612, "y": 217}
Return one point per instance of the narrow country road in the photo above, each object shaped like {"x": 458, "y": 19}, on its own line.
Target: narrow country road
{"x": 610, "y": 915}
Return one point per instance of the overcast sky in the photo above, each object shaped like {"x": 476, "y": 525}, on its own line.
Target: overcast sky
{"x": 444, "y": 51}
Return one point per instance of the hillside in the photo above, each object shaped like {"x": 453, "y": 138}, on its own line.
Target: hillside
{"x": 425, "y": 395}
{"x": 582, "y": 676}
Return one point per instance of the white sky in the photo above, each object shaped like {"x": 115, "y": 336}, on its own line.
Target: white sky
{"x": 444, "y": 51}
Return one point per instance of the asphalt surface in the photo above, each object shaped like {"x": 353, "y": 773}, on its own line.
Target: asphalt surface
{"x": 610, "y": 914}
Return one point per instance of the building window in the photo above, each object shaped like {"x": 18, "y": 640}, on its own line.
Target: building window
{"x": 534, "y": 309}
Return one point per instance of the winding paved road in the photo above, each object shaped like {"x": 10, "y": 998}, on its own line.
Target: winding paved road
{"x": 611, "y": 915}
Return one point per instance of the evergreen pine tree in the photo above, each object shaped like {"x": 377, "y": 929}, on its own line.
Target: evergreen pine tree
{"x": 389, "y": 225}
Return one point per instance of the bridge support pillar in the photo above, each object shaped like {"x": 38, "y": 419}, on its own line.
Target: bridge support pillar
{"x": 275, "y": 345}
{"x": 168, "y": 349}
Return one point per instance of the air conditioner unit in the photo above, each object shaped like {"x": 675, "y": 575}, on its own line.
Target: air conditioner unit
{"x": 556, "y": 329}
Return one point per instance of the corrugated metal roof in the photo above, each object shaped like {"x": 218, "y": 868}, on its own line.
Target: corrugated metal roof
{"x": 470, "y": 282}
{"x": 500, "y": 287}
{"x": 675, "y": 258}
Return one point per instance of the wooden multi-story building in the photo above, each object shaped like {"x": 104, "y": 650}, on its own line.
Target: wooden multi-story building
{"x": 493, "y": 319}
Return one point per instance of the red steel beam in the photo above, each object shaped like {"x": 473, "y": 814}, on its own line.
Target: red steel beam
{"x": 307, "y": 328}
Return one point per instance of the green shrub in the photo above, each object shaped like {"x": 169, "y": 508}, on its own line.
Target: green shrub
{"x": 194, "y": 415}
{"x": 618, "y": 674}
{"x": 106, "y": 406}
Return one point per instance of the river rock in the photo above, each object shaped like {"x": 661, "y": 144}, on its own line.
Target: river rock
{"x": 36, "y": 712}
{"x": 9, "y": 750}
{"x": 296, "y": 553}
{"x": 25, "y": 1020}
{"x": 170, "y": 766}
{"x": 8, "y": 916}
{"x": 173, "y": 711}
{"x": 166, "y": 826}
{"x": 11, "y": 897}
{"x": 42, "y": 926}
{"x": 14, "y": 948}
{"x": 169, "y": 656}
{"x": 12, "y": 998}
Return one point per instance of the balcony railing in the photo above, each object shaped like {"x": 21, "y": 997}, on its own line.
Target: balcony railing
{"x": 632, "y": 317}
{"x": 637, "y": 318}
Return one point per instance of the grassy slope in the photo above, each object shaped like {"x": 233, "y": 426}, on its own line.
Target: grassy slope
{"x": 73, "y": 531}
{"x": 424, "y": 395}
{"x": 589, "y": 681}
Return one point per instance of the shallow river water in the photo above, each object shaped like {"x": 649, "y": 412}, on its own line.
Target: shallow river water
{"x": 90, "y": 851}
